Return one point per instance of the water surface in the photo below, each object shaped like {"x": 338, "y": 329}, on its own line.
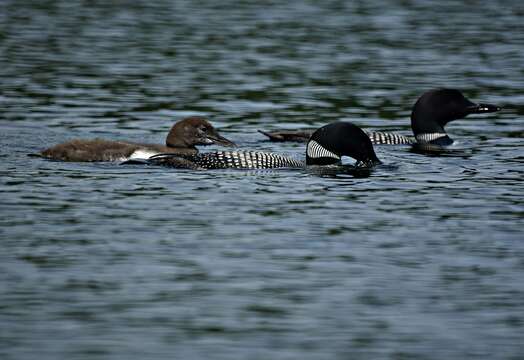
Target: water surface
{"x": 423, "y": 259}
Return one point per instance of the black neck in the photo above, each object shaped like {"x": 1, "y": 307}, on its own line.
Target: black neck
{"x": 329, "y": 143}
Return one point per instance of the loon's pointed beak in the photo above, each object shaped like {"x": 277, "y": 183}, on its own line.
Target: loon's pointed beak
{"x": 482, "y": 108}
{"x": 216, "y": 138}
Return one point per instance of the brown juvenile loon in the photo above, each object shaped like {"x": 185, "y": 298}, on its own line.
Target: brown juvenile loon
{"x": 182, "y": 139}
{"x": 326, "y": 146}
{"x": 432, "y": 111}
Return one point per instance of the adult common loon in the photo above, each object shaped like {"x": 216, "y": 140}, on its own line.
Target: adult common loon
{"x": 181, "y": 139}
{"x": 326, "y": 146}
{"x": 432, "y": 111}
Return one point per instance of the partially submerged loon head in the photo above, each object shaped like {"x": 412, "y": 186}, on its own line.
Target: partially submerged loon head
{"x": 193, "y": 131}
{"x": 435, "y": 108}
{"x": 329, "y": 143}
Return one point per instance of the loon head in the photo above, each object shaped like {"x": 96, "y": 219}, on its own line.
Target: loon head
{"x": 193, "y": 131}
{"x": 329, "y": 143}
{"x": 435, "y": 108}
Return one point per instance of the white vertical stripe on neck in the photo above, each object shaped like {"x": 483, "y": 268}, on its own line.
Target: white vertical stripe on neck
{"x": 428, "y": 137}
{"x": 315, "y": 150}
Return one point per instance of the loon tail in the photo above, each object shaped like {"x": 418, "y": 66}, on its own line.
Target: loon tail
{"x": 288, "y": 135}
{"x": 35, "y": 155}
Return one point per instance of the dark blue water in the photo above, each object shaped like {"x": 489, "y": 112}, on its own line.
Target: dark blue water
{"x": 423, "y": 259}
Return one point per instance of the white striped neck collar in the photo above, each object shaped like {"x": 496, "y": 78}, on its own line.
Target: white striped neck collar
{"x": 316, "y": 151}
{"x": 429, "y": 137}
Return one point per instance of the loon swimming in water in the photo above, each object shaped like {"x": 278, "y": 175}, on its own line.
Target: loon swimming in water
{"x": 326, "y": 146}
{"x": 181, "y": 139}
{"x": 432, "y": 111}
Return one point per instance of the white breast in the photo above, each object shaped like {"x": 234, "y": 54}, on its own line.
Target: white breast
{"x": 142, "y": 154}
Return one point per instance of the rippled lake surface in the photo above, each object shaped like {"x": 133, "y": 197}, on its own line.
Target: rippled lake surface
{"x": 423, "y": 259}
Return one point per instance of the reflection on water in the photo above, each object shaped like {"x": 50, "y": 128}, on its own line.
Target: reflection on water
{"x": 420, "y": 258}
{"x": 437, "y": 150}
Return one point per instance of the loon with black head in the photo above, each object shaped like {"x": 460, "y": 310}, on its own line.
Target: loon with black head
{"x": 326, "y": 146}
{"x": 432, "y": 111}
{"x": 182, "y": 139}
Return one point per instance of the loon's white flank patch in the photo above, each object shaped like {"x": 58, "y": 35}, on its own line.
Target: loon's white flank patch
{"x": 315, "y": 151}
{"x": 424, "y": 138}
{"x": 142, "y": 154}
